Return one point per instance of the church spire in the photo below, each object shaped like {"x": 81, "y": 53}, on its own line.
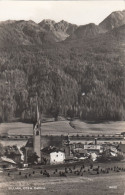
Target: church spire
{"x": 37, "y": 111}
{"x": 37, "y": 132}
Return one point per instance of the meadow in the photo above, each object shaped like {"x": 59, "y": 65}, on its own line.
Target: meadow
{"x": 93, "y": 128}
{"x": 64, "y": 127}
{"x": 105, "y": 184}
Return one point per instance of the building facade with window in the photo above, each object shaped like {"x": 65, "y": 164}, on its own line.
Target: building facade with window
{"x": 57, "y": 157}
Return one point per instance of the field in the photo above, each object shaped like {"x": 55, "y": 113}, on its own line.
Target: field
{"x": 16, "y": 128}
{"x": 109, "y": 127}
{"x": 53, "y": 128}
{"x": 106, "y": 185}
{"x": 87, "y": 184}
{"x": 64, "y": 127}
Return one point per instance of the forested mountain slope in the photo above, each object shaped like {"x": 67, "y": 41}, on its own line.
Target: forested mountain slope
{"x": 83, "y": 76}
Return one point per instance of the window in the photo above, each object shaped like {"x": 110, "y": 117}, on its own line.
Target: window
{"x": 37, "y": 132}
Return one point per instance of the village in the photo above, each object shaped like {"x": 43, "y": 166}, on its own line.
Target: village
{"x": 61, "y": 150}
{"x": 47, "y": 159}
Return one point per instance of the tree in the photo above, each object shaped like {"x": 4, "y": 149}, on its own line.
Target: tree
{"x": 106, "y": 156}
{"x": 55, "y": 112}
{"x": 70, "y": 113}
{"x": 11, "y": 151}
{"x": 33, "y": 158}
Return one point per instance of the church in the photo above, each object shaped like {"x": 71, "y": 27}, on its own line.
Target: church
{"x": 38, "y": 144}
{"x": 34, "y": 144}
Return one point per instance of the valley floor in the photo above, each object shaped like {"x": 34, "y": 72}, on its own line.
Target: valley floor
{"x": 112, "y": 183}
{"x": 92, "y": 185}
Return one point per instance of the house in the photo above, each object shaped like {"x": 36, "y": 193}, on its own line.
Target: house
{"x": 93, "y": 148}
{"x": 79, "y": 152}
{"x": 57, "y": 157}
{"x": 52, "y": 155}
{"x": 79, "y": 145}
{"x": 7, "y": 162}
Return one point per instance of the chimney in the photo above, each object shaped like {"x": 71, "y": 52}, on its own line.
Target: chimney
{"x": 95, "y": 141}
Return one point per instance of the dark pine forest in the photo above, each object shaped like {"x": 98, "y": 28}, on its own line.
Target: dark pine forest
{"x": 77, "y": 71}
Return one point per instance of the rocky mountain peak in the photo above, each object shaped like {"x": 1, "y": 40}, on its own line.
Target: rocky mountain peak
{"x": 86, "y": 31}
{"x": 115, "y": 19}
{"x": 47, "y": 24}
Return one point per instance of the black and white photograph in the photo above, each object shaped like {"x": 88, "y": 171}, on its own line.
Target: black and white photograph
{"x": 62, "y": 97}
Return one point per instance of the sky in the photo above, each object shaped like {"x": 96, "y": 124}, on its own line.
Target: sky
{"x": 77, "y": 12}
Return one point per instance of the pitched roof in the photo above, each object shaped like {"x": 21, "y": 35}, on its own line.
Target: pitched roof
{"x": 5, "y": 159}
{"x": 50, "y": 149}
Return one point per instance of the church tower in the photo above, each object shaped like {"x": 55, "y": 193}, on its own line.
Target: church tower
{"x": 37, "y": 135}
{"x": 67, "y": 147}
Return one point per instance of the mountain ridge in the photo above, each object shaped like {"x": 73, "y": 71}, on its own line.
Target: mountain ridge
{"x": 59, "y": 31}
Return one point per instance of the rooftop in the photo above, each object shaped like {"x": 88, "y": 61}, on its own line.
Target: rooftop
{"x": 29, "y": 143}
{"x": 5, "y": 159}
{"x": 50, "y": 149}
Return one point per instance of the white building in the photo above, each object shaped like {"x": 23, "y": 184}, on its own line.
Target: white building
{"x": 57, "y": 157}
{"x": 93, "y": 156}
{"x": 93, "y": 148}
